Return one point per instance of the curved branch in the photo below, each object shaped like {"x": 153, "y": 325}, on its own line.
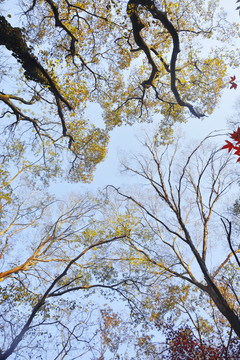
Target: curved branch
{"x": 138, "y": 25}
{"x": 229, "y": 232}
{"x": 13, "y": 39}
{"x": 41, "y": 302}
{"x": 59, "y": 23}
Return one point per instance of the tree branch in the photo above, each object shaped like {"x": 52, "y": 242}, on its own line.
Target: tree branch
{"x": 41, "y": 302}
{"x": 138, "y": 25}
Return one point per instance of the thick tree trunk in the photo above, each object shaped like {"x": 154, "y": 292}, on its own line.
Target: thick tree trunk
{"x": 215, "y": 294}
{"x": 224, "y": 307}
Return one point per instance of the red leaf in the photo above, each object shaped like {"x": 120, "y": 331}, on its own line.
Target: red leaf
{"x": 236, "y": 136}
{"x": 228, "y": 146}
{"x": 232, "y": 78}
{"x": 233, "y": 85}
{"x": 237, "y": 152}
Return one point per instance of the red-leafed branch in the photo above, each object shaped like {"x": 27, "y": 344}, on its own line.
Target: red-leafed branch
{"x": 235, "y": 144}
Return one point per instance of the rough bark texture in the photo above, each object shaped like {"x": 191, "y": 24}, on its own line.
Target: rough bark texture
{"x": 13, "y": 39}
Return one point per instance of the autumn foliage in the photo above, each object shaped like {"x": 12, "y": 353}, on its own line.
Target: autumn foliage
{"x": 182, "y": 344}
{"x": 235, "y": 144}
{"x": 235, "y": 135}
{"x": 232, "y": 82}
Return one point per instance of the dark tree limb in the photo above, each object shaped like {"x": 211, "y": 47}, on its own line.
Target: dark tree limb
{"x": 59, "y": 23}
{"x": 183, "y": 233}
{"x": 138, "y": 25}
{"x": 13, "y": 39}
{"x": 238, "y": 8}
{"x": 228, "y": 232}
{"x": 31, "y": 7}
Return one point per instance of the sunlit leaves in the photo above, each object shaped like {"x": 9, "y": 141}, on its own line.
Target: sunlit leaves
{"x": 88, "y": 50}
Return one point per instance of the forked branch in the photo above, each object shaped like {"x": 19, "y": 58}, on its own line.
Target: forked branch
{"x": 138, "y": 25}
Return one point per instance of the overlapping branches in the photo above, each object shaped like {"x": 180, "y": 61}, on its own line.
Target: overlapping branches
{"x": 138, "y": 25}
{"x": 13, "y": 39}
{"x": 48, "y": 294}
{"x": 174, "y": 191}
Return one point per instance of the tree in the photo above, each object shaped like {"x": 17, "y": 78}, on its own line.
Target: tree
{"x": 27, "y": 212}
{"x": 178, "y": 212}
{"x": 72, "y": 53}
{"x": 57, "y": 272}
{"x": 50, "y": 249}
{"x": 58, "y": 287}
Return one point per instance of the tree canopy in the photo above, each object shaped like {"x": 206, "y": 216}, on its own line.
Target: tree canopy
{"x": 135, "y": 59}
